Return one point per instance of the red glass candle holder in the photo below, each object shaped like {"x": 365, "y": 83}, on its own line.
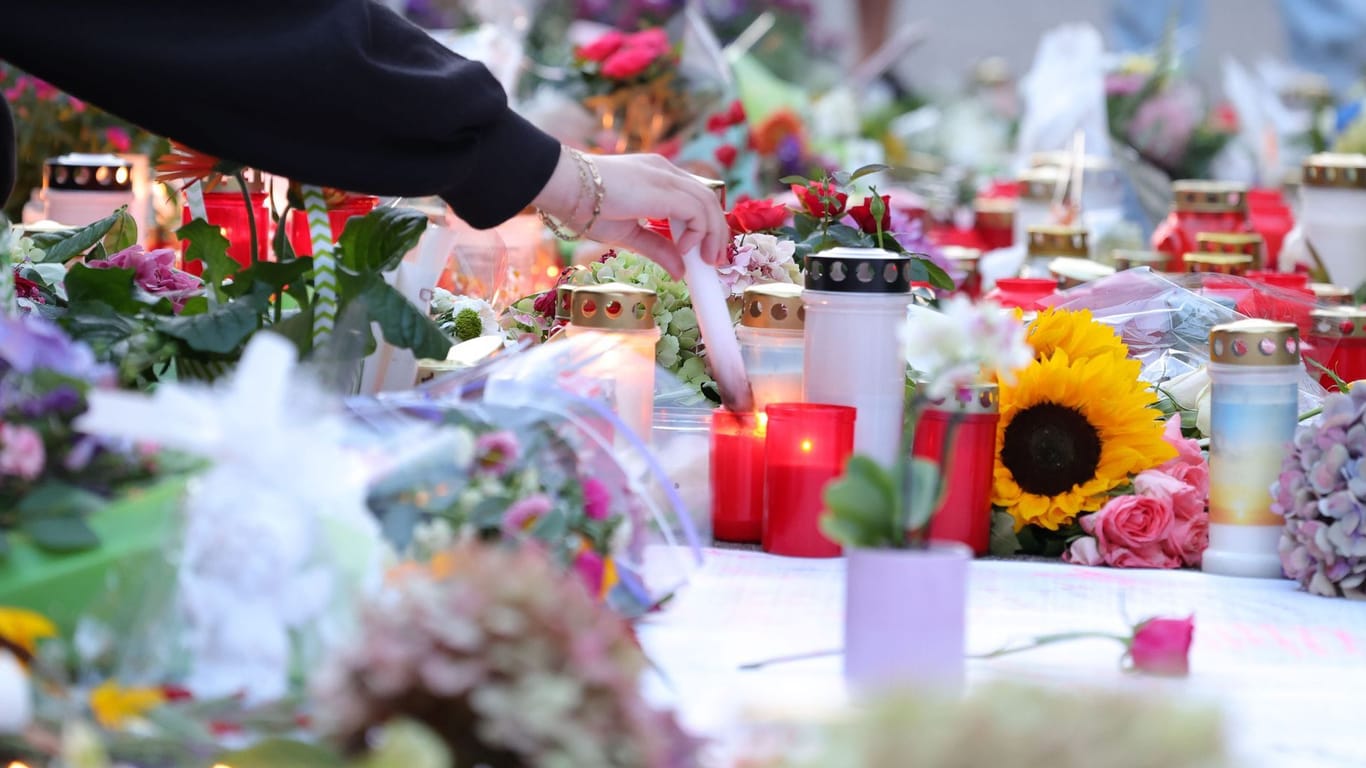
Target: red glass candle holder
{"x": 967, "y": 423}
{"x": 1022, "y": 292}
{"x": 1337, "y": 340}
{"x": 228, "y": 212}
{"x": 737, "y": 476}
{"x": 1290, "y": 281}
{"x": 1272, "y": 219}
{"x": 353, "y": 205}
{"x": 1200, "y": 206}
{"x": 807, "y": 446}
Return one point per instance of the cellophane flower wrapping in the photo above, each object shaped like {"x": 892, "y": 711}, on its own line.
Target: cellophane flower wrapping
{"x": 530, "y": 453}
{"x": 1165, "y": 320}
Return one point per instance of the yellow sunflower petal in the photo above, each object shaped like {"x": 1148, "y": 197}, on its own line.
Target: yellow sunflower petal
{"x": 113, "y": 704}
{"x": 1075, "y": 332}
{"x": 23, "y": 628}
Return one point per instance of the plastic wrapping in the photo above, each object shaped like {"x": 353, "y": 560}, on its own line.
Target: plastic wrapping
{"x": 599, "y": 497}
{"x": 1165, "y": 319}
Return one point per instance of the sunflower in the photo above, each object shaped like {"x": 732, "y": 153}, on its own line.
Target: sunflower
{"x": 1070, "y": 432}
{"x": 1074, "y": 332}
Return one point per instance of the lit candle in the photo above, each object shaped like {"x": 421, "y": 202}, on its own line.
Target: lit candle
{"x": 624, "y": 314}
{"x": 967, "y": 423}
{"x": 737, "y": 471}
{"x": 806, "y": 447}
{"x": 772, "y": 318}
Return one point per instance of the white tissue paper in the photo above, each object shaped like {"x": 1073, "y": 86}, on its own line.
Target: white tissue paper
{"x": 278, "y": 540}
{"x": 1064, "y": 92}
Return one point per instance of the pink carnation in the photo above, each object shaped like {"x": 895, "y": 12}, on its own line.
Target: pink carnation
{"x": 21, "y": 451}
{"x": 155, "y": 273}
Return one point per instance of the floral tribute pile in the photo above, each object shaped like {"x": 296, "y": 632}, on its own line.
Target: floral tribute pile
{"x": 1087, "y": 468}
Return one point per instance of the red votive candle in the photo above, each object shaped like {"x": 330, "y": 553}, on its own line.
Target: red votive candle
{"x": 1337, "y": 340}
{"x": 968, "y": 422}
{"x": 300, "y": 238}
{"x": 228, "y": 212}
{"x": 806, "y": 448}
{"x": 737, "y": 476}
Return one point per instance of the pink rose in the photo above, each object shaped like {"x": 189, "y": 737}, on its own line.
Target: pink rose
{"x": 1190, "y": 523}
{"x": 1189, "y": 466}
{"x": 1162, "y": 647}
{"x": 654, "y": 40}
{"x": 1132, "y": 532}
{"x": 155, "y": 273}
{"x": 118, "y": 138}
{"x": 1084, "y": 551}
{"x": 21, "y": 451}
{"x": 628, "y": 63}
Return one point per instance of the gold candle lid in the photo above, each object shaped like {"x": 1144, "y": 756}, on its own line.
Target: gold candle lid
{"x": 1125, "y": 258}
{"x": 1218, "y": 263}
{"x": 564, "y": 295}
{"x": 962, "y": 257}
{"x": 1339, "y": 322}
{"x": 1194, "y": 196}
{"x": 1331, "y": 169}
{"x": 1249, "y": 243}
{"x": 995, "y": 212}
{"x": 1058, "y": 241}
{"x": 612, "y": 306}
{"x": 1255, "y": 343}
{"x": 775, "y": 306}
{"x": 1040, "y": 183}
{"x": 970, "y": 398}
{"x": 1327, "y": 293}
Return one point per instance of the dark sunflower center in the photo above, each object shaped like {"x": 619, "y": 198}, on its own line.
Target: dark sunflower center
{"x": 1049, "y": 448}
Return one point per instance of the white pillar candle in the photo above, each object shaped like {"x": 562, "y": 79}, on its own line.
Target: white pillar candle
{"x": 1333, "y": 214}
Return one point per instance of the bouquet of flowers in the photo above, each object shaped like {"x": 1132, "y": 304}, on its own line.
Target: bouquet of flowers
{"x": 632, "y": 88}
{"x": 1095, "y": 480}
{"x": 505, "y": 661}
{"x": 51, "y": 475}
{"x": 1165, "y": 118}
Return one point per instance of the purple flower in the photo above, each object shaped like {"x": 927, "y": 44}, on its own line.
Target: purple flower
{"x": 63, "y": 399}
{"x": 29, "y": 343}
{"x": 155, "y": 273}
{"x": 597, "y": 500}
{"x": 496, "y": 452}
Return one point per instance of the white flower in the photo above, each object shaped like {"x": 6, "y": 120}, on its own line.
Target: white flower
{"x": 16, "y": 695}
{"x": 446, "y": 308}
{"x": 963, "y": 342}
{"x": 758, "y": 259}
{"x": 1191, "y": 392}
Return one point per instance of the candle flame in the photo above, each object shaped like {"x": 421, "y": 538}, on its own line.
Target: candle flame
{"x": 807, "y": 445}
{"x": 17, "y": 764}
{"x": 762, "y": 427}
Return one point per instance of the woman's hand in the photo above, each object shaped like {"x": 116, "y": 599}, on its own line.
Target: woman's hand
{"x": 638, "y": 187}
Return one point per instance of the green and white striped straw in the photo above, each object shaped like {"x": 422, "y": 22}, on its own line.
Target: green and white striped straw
{"x": 324, "y": 266}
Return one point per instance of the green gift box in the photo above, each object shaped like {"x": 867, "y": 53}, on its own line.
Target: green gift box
{"x": 133, "y": 531}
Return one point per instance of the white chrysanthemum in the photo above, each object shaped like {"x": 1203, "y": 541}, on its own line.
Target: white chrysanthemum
{"x": 447, "y": 309}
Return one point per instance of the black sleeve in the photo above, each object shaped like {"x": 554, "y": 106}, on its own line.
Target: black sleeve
{"x": 341, "y": 93}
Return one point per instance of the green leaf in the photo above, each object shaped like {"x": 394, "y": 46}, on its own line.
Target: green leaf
{"x": 804, "y": 225}
{"x": 123, "y": 234}
{"x": 54, "y": 516}
{"x": 378, "y": 241}
{"x": 402, "y": 323}
{"x": 1004, "y": 543}
{"x": 925, "y": 271}
{"x": 923, "y": 494}
{"x": 113, "y": 287}
{"x": 864, "y": 506}
{"x": 868, "y": 170}
{"x": 64, "y": 246}
{"x": 298, "y": 328}
{"x": 281, "y": 753}
{"x": 219, "y": 331}
{"x": 208, "y": 245}
{"x": 794, "y": 179}
{"x": 847, "y": 236}
{"x": 272, "y": 275}
{"x": 4, "y": 545}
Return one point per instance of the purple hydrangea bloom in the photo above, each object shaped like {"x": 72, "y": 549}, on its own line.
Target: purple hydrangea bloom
{"x": 29, "y": 343}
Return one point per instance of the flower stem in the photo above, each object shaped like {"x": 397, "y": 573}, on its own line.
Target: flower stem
{"x": 1042, "y": 640}
{"x": 251, "y": 214}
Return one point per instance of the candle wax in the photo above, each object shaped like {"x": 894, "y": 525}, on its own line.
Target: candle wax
{"x": 794, "y": 508}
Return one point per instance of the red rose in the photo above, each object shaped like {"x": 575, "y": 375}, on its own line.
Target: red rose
{"x": 725, "y": 155}
{"x": 863, "y": 214}
{"x": 1162, "y": 647}
{"x": 603, "y": 47}
{"x": 756, "y": 216}
{"x": 811, "y": 196}
{"x": 628, "y": 63}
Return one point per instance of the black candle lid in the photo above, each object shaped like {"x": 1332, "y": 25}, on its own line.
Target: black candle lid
{"x": 858, "y": 270}
{"x": 88, "y": 173}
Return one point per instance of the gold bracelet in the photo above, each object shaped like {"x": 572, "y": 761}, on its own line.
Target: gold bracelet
{"x": 588, "y": 176}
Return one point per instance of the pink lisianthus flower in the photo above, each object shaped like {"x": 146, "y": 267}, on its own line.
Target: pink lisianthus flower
{"x": 22, "y": 453}
{"x": 155, "y": 273}
{"x": 496, "y": 452}
{"x": 525, "y": 513}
